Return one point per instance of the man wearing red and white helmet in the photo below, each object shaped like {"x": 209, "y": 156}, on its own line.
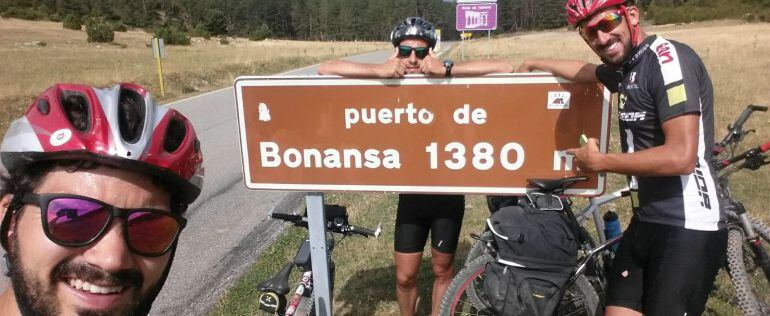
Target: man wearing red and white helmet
{"x": 672, "y": 249}
{"x": 97, "y": 182}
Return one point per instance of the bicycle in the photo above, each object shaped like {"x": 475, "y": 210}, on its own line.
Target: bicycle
{"x": 748, "y": 242}
{"x": 274, "y": 290}
{"x": 465, "y": 294}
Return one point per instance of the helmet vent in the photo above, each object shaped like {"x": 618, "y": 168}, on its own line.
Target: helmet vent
{"x": 43, "y": 106}
{"x": 174, "y": 135}
{"x": 75, "y": 106}
{"x": 131, "y": 113}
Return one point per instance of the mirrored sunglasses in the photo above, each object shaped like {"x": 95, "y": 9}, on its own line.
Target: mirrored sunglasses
{"x": 76, "y": 221}
{"x": 406, "y": 51}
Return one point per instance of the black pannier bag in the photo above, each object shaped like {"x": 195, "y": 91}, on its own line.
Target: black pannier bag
{"x": 537, "y": 252}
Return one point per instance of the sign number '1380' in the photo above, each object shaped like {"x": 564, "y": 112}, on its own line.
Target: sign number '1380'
{"x": 510, "y": 157}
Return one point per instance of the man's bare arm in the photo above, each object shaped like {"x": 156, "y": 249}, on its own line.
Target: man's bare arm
{"x": 481, "y": 67}
{"x": 574, "y": 70}
{"x": 677, "y": 156}
{"x": 391, "y": 68}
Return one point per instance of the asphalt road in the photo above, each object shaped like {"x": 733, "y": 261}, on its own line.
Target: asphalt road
{"x": 228, "y": 225}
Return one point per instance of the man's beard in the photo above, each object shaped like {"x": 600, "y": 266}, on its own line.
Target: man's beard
{"x": 34, "y": 298}
{"x": 627, "y": 50}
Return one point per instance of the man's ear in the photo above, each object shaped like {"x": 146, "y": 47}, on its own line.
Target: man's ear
{"x": 5, "y": 204}
{"x": 633, "y": 15}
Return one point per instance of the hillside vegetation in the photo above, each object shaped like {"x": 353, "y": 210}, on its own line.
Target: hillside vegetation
{"x": 341, "y": 19}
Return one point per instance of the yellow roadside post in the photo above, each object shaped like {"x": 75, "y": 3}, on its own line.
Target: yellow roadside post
{"x": 159, "y": 51}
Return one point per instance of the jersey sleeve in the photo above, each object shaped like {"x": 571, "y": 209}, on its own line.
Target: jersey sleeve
{"x": 609, "y": 76}
{"x": 681, "y": 74}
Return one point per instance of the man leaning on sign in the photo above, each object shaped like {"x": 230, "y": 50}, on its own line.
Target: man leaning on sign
{"x": 675, "y": 244}
{"x": 419, "y": 214}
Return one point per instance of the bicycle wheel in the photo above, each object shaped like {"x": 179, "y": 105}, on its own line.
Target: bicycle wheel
{"x": 580, "y": 298}
{"x": 478, "y": 248}
{"x": 456, "y": 299}
{"x": 751, "y": 285}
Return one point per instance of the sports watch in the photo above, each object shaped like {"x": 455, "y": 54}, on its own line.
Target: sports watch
{"x": 448, "y": 64}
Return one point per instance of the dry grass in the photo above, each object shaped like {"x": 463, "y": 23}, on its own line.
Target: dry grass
{"x": 67, "y": 57}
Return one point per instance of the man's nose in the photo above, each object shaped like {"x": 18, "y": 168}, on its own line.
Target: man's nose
{"x": 110, "y": 252}
{"x": 602, "y": 37}
{"x": 413, "y": 57}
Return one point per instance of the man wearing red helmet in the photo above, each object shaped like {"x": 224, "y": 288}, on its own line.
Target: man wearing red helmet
{"x": 419, "y": 215}
{"x": 676, "y": 242}
{"x": 97, "y": 181}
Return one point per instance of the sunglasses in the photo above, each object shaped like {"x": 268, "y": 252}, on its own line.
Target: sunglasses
{"x": 76, "y": 221}
{"x": 609, "y": 21}
{"x": 406, "y": 51}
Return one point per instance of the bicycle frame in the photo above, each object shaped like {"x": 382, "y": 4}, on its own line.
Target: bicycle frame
{"x": 592, "y": 210}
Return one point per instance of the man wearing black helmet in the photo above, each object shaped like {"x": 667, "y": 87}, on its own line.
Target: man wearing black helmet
{"x": 420, "y": 214}
{"x": 91, "y": 205}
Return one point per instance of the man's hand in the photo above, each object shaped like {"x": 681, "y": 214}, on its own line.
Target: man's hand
{"x": 525, "y": 66}
{"x": 431, "y": 66}
{"x": 392, "y": 68}
{"x": 588, "y": 158}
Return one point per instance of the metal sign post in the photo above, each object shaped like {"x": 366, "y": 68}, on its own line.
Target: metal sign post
{"x": 159, "y": 51}
{"x": 319, "y": 251}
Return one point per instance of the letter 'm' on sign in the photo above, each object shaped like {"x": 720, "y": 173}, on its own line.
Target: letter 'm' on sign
{"x": 562, "y": 158}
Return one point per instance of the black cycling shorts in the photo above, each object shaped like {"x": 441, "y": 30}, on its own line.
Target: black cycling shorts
{"x": 665, "y": 270}
{"x": 418, "y": 214}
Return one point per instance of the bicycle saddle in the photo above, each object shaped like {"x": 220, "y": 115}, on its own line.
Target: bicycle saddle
{"x": 551, "y": 185}
{"x": 278, "y": 284}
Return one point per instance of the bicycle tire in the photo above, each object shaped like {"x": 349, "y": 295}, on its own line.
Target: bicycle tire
{"x": 579, "y": 295}
{"x": 748, "y": 302}
{"x": 305, "y": 307}
{"x": 478, "y": 248}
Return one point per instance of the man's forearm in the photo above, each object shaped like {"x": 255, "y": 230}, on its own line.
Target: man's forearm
{"x": 654, "y": 162}
{"x": 481, "y": 67}
{"x": 347, "y": 69}
{"x": 575, "y": 70}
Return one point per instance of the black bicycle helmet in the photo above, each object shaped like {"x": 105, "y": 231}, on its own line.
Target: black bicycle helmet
{"x": 414, "y": 27}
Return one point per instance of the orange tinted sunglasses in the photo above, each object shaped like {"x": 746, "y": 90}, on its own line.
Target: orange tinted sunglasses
{"x": 608, "y": 22}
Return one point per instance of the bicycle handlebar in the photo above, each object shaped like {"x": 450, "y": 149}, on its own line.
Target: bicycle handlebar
{"x": 753, "y": 159}
{"x": 299, "y": 220}
{"x": 735, "y": 130}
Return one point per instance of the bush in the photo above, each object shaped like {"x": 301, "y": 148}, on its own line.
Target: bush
{"x": 119, "y": 27}
{"x": 260, "y": 33}
{"x": 99, "y": 31}
{"x": 172, "y": 36}
{"x": 224, "y": 41}
{"x": 23, "y": 13}
{"x": 72, "y": 22}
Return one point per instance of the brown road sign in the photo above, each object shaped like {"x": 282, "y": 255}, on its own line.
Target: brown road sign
{"x": 460, "y": 135}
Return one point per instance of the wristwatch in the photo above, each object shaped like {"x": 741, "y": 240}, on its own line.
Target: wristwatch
{"x": 448, "y": 64}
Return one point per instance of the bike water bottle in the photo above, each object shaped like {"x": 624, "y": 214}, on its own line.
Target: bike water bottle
{"x": 611, "y": 227}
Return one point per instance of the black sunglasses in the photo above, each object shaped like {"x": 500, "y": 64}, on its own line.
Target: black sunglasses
{"x": 76, "y": 221}
{"x": 406, "y": 51}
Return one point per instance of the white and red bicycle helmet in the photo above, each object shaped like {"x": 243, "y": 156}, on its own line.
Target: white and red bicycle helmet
{"x": 157, "y": 140}
{"x": 580, "y": 10}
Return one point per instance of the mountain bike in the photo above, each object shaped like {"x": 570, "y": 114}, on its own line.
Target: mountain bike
{"x": 748, "y": 243}
{"x": 274, "y": 290}
{"x": 582, "y": 293}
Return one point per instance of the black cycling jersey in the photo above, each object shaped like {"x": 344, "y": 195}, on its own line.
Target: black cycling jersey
{"x": 661, "y": 80}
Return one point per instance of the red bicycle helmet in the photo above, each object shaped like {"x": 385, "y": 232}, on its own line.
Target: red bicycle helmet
{"x": 69, "y": 121}
{"x": 580, "y": 10}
